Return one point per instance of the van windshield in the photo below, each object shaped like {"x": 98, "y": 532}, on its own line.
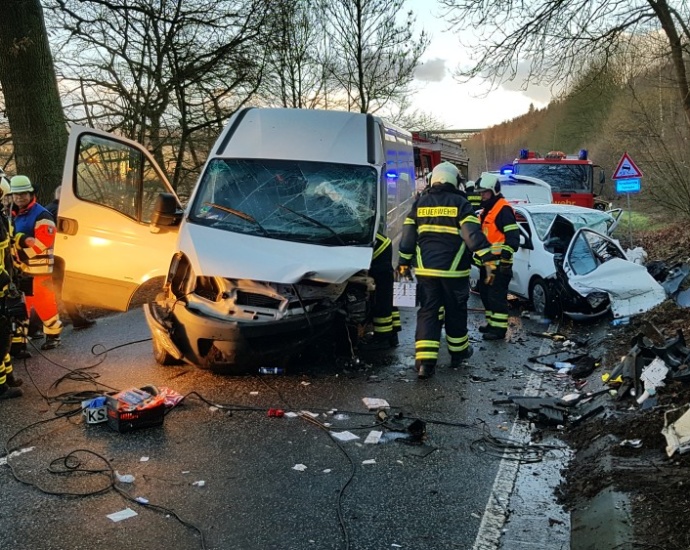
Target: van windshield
{"x": 314, "y": 202}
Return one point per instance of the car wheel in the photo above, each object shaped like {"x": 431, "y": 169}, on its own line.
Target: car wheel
{"x": 542, "y": 298}
{"x": 161, "y": 356}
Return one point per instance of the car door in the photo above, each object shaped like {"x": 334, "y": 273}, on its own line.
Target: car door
{"x": 596, "y": 263}
{"x": 104, "y": 237}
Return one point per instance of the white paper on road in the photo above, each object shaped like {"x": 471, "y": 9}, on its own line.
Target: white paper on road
{"x": 291, "y": 414}
{"x": 122, "y": 514}
{"x": 374, "y": 437}
{"x": 299, "y": 467}
{"x": 373, "y": 403}
{"x": 344, "y": 436}
{"x": 369, "y": 461}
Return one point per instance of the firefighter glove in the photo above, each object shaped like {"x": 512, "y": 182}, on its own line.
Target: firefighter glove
{"x": 404, "y": 272}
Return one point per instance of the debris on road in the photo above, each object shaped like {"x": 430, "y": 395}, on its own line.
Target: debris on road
{"x": 122, "y": 514}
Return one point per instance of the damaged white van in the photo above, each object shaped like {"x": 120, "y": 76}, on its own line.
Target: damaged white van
{"x": 271, "y": 250}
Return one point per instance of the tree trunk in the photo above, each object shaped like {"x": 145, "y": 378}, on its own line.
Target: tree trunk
{"x": 32, "y": 101}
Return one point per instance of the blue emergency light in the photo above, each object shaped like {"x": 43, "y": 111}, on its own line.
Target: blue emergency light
{"x": 391, "y": 175}
{"x": 506, "y": 169}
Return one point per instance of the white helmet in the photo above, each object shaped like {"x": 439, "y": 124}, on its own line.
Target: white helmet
{"x": 4, "y": 184}
{"x": 488, "y": 182}
{"x": 446, "y": 172}
{"x": 21, "y": 184}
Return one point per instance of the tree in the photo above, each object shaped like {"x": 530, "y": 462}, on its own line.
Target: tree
{"x": 165, "y": 73}
{"x": 297, "y": 57}
{"x": 559, "y": 38}
{"x": 374, "y": 56}
{"x": 32, "y": 101}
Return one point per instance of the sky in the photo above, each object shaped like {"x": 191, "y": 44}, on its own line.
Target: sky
{"x": 461, "y": 105}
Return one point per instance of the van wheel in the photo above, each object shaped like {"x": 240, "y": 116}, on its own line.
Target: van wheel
{"x": 161, "y": 356}
{"x": 542, "y": 298}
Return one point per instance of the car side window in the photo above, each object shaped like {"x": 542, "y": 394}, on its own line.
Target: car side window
{"x": 582, "y": 258}
{"x": 115, "y": 175}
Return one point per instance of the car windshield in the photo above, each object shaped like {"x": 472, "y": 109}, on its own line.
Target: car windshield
{"x": 576, "y": 178}
{"x": 313, "y": 202}
{"x": 589, "y": 250}
{"x": 594, "y": 219}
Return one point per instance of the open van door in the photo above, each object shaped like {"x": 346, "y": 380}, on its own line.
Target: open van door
{"x": 105, "y": 232}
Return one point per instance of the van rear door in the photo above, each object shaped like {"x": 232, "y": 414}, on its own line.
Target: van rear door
{"x": 109, "y": 187}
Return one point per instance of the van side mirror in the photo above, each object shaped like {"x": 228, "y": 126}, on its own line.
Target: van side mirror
{"x": 165, "y": 211}
{"x": 602, "y": 177}
{"x": 526, "y": 242}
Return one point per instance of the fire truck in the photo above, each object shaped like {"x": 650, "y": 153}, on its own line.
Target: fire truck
{"x": 571, "y": 177}
{"x": 430, "y": 150}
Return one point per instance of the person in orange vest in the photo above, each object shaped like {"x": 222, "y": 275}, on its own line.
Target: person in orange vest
{"x": 33, "y": 240}
{"x": 498, "y": 224}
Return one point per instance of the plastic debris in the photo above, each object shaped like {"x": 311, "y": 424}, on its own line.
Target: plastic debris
{"x": 344, "y": 436}
{"x": 299, "y": 467}
{"x": 677, "y": 432}
{"x": 126, "y": 478}
{"x": 374, "y": 437}
{"x": 373, "y": 403}
{"x": 369, "y": 461}
{"x": 144, "y": 459}
{"x": 199, "y": 483}
{"x": 632, "y": 443}
{"x": 122, "y": 514}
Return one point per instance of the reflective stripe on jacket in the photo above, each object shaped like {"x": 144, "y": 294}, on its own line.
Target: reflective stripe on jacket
{"x": 36, "y": 222}
{"x": 438, "y": 232}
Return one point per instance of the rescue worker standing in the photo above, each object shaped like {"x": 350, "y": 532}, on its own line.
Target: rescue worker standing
{"x": 385, "y": 317}
{"x": 34, "y": 237}
{"x": 441, "y": 231}
{"x": 498, "y": 224}
{"x": 9, "y": 384}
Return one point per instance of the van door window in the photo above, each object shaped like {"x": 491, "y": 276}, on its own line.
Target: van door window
{"x": 117, "y": 176}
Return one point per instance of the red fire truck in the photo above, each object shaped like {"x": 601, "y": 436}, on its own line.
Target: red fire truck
{"x": 430, "y": 150}
{"x": 571, "y": 177}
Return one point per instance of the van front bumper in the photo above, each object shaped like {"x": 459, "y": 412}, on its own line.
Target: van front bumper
{"x": 236, "y": 346}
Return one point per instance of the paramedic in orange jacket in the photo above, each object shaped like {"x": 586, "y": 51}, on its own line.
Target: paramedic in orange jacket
{"x": 498, "y": 224}
{"x": 34, "y": 237}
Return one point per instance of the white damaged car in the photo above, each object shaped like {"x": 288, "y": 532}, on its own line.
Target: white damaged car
{"x": 568, "y": 263}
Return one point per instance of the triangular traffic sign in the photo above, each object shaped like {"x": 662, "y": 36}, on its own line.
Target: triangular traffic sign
{"x": 626, "y": 168}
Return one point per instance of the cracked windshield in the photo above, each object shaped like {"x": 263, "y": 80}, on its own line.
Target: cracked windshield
{"x": 312, "y": 202}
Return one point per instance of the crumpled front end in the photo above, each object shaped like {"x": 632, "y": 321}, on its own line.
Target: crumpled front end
{"x": 237, "y": 325}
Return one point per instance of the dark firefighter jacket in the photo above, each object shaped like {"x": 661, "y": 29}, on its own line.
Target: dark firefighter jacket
{"x": 498, "y": 224}
{"x": 440, "y": 232}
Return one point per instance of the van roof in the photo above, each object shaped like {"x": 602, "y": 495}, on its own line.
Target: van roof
{"x": 295, "y": 134}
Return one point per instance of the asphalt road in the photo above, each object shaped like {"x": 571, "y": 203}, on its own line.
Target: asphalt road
{"x": 423, "y": 497}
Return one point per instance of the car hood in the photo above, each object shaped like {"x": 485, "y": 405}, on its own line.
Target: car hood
{"x": 213, "y": 252}
{"x": 631, "y": 288}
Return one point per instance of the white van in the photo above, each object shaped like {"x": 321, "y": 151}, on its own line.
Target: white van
{"x": 271, "y": 250}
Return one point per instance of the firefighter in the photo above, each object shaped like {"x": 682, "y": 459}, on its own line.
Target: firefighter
{"x": 498, "y": 224}
{"x": 473, "y": 195}
{"x": 9, "y": 383}
{"x": 34, "y": 237}
{"x": 441, "y": 230}
{"x": 385, "y": 317}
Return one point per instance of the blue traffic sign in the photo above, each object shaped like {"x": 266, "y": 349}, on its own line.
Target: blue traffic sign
{"x": 628, "y": 185}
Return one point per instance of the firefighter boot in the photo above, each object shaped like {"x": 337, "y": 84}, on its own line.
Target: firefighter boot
{"x": 494, "y": 334}
{"x": 13, "y": 381}
{"x": 52, "y": 342}
{"x": 456, "y": 359}
{"x": 484, "y": 329}
{"x": 8, "y": 392}
{"x": 425, "y": 369}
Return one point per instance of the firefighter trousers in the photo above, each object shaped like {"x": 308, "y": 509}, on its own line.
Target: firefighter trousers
{"x": 434, "y": 293}
{"x": 385, "y": 317}
{"x": 495, "y": 298}
{"x": 42, "y": 300}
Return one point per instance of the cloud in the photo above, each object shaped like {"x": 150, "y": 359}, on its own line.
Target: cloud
{"x": 540, "y": 93}
{"x": 433, "y": 70}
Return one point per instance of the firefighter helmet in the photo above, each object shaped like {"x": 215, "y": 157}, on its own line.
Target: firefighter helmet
{"x": 488, "y": 182}
{"x": 21, "y": 184}
{"x": 447, "y": 172}
{"x": 4, "y": 184}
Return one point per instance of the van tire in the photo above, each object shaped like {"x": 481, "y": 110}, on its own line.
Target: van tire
{"x": 161, "y": 356}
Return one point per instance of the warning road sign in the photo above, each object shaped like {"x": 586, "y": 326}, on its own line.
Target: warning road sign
{"x": 626, "y": 169}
